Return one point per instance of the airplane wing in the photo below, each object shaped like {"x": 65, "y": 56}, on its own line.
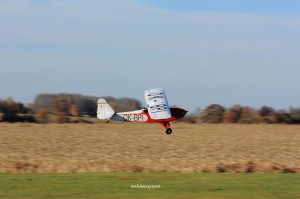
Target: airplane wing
{"x": 158, "y": 104}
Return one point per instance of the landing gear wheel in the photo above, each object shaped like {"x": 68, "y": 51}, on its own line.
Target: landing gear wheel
{"x": 168, "y": 131}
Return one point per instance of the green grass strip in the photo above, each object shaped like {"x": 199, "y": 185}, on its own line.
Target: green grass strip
{"x": 149, "y": 185}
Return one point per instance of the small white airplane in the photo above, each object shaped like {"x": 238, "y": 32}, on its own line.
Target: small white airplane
{"x": 158, "y": 111}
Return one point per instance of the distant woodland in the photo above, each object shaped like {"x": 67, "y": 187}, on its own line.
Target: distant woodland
{"x": 61, "y": 108}
{"x": 64, "y": 108}
{"x": 216, "y": 113}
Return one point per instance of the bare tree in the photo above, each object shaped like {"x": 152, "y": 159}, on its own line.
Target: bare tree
{"x": 213, "y": 114}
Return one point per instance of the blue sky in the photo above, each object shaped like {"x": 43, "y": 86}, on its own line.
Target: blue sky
{"x": 200, "y": 52}
{"x": 277, "y": 7}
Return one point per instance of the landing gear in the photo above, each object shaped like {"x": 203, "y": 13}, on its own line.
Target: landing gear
{"x": 168, "y": 131}
{"x": 166, "y": 125}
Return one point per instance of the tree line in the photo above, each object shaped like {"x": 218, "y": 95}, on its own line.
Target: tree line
{"x": 216, "y": 113}
{"x": 59, "y": 108}
{"x": 64, "y": 107}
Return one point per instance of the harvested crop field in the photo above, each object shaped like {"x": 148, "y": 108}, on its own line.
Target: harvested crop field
{"x": 134, "y": 147}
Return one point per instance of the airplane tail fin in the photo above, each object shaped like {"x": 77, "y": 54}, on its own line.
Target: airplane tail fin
{"x": 104, "y": 110}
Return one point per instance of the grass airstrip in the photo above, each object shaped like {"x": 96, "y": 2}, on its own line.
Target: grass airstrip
{"x": 168, "y": 185}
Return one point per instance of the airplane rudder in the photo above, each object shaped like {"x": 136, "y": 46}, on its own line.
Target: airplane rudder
{"x": 104, "y": 110}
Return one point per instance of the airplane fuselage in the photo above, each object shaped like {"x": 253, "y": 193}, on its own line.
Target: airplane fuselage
{"x": 143, "y": 116}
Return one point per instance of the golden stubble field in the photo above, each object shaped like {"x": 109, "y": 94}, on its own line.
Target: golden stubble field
{"x": 134, "y": 147}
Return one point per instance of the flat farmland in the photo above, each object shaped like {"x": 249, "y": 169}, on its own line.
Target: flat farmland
{"x": 134, "y": 147}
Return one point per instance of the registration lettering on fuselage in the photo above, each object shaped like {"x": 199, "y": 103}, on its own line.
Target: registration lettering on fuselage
{"x": 135, "y": 117}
